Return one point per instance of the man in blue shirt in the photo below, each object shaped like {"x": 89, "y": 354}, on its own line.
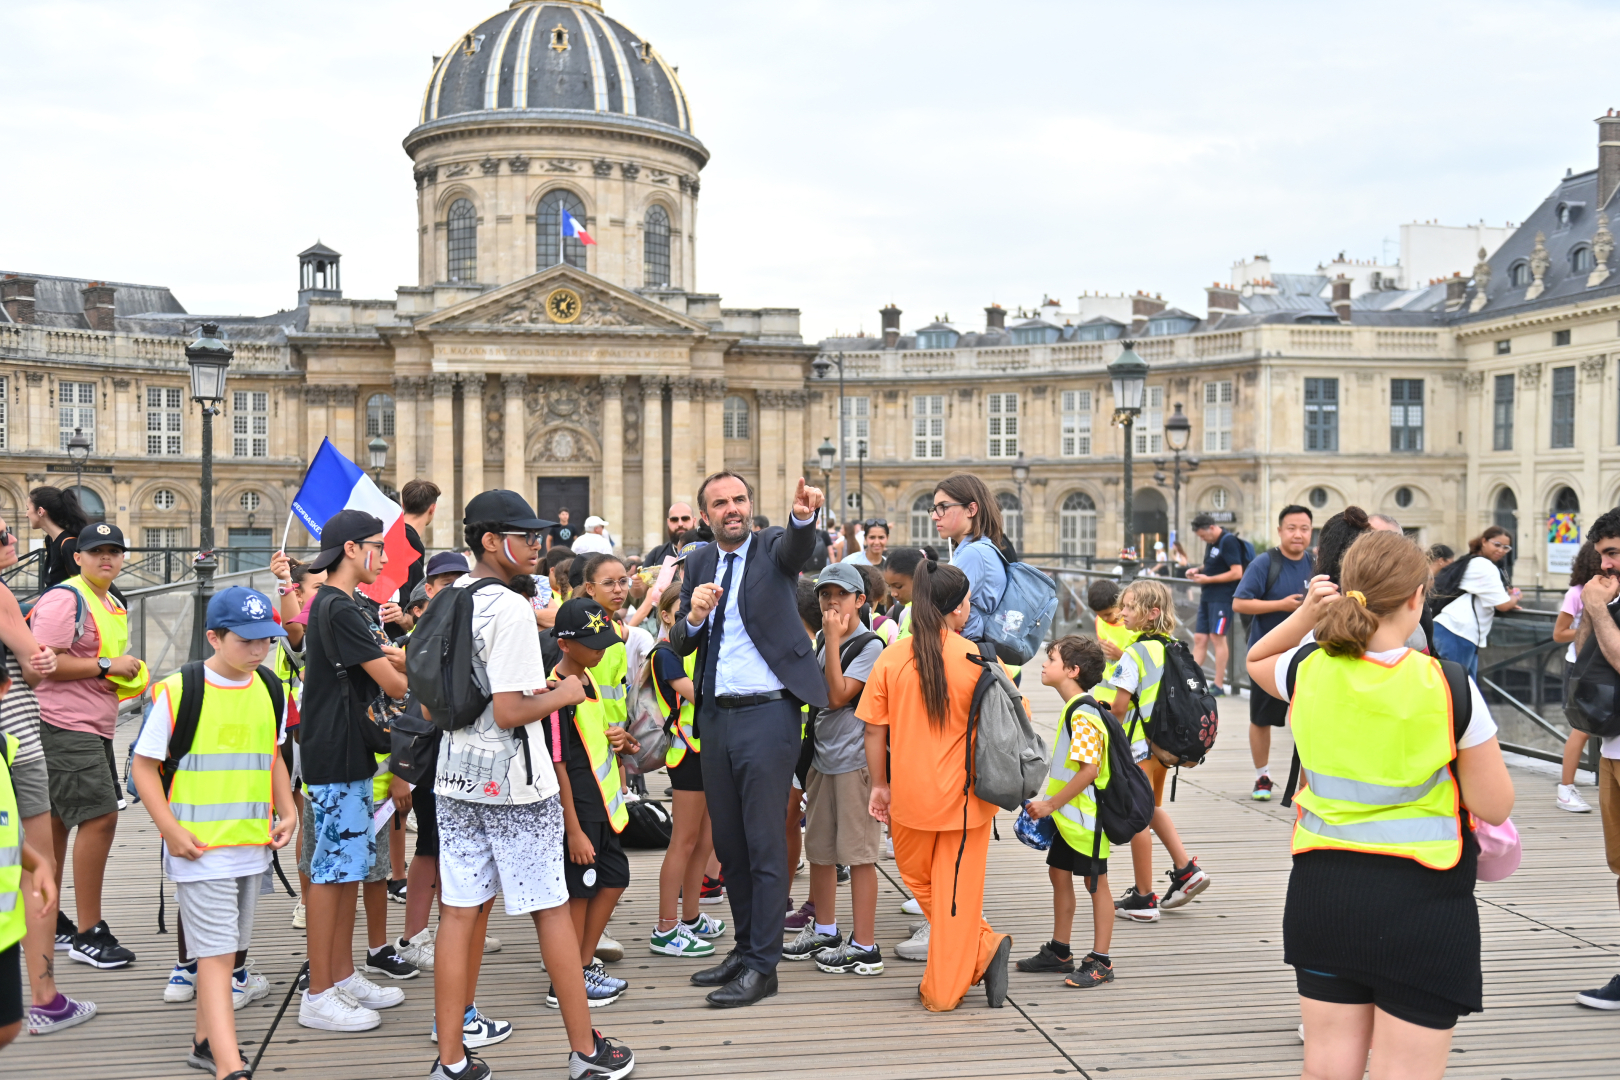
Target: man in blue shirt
{"x": 1272, "y": 587}
{"x": 1223, "y": 566}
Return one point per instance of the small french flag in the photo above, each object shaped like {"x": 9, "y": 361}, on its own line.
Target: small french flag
{"x": 572, "y": 229}
{"x": 335, "y": 483}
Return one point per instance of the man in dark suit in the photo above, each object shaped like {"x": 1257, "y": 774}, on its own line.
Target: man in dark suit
{"x": 739, "y": 609}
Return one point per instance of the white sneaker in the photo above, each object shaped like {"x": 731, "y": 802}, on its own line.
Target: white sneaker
{"x": 888, "y": 847}
{"x": 298, "y": 916}
{"x": 915, "y": 947}
{"x": 478, "y": 1030}
{"x": 607, "y": 950}
{"x": 253, "y": 987}
{"x": 369, "y": 994}
{"x": 1570, "y": 799}
{"x": 493, "y": 944}
{"x": 410, "y": 821}
{"x": 336, "y": 1010}
{"x": 911, "y": 907}
{"x": 182, "y": 985}
{"x": 417, "y": 950}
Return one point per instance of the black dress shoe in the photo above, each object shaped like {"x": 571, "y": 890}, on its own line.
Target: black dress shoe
{"x": 746, "y": 989}
{"x": 721, "y": 973}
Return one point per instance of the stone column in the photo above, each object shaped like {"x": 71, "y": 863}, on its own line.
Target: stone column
{"x": 684, "y": 444}
{"x": 514, "y": 387}
{"x": 652, "y": 461}
{"x": 405, "y": 391}
{"x": 613, "y": 455}
{"x": 472, "y": 434}
{"x": 793, "y": 449}
{"x": 442, "y": 451}
{"x": 316, "y": 399}
{"x": 714, "y": 420}
{"x": 768, "y": 497}
{"x": 346, "y": 432}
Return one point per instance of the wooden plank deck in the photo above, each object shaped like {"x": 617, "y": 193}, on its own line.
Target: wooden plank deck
{"x": 1203, "y": 993}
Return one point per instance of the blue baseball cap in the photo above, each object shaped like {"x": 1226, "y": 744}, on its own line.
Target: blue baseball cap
{"x": 244, "y": 612}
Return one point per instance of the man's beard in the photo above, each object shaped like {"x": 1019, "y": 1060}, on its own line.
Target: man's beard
{"x": 732, "y": 529}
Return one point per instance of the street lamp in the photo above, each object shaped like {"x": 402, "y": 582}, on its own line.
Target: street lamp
{"x": 1020, "y": 473}
{"x": 1129, "y": 373}
{"x": 379, "y": 457}
{"x": 208, "y": 357}
{"x": 78, "y": 451}
{"x": 1177, "y": 433}
{"x": 822, "y": 366}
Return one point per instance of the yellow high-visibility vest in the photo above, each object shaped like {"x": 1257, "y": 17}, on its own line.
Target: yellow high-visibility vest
{"x": 905, "y": 622}
{"x": 112, "y": 624}
{"x": 221, "y": 788}
{"x": 612, "y": 678}
{"x": 1149, "y": 657}
{"x": 591, "y": 721}
{"x": 1117, "y": 635}
{"x": 682, "y": 733}
{"x": 1077, "y": 820}
{"x": 12, "y": 920}
{"x": 1375, "y": 745}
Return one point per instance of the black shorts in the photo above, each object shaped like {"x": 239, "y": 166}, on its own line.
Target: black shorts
{"x": 1265, "y": 710}
{"x": 427, "y": 818}
{"x": 688, "y": 775}
{"x": 1060, "y": 856}
{"x": 1402, "y": 1002}
{"x": 611, "y": 870}
{"x": 11, "y": 983}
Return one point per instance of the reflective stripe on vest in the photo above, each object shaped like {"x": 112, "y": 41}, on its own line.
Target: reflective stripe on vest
{"x": 591, "y": 721}
{"x": 1375, "y": 745}
{"x": 1119, "y": 637}
{"x": 112, "y": 626}
{"x": 1076, "y": 820}
{"x": 221, "y": 786}
{"x": 12, "y": 921}
{"x": 611, "y": 675}
{"x": 905, "y": 622}
{"x": 1149, "y": 657}
{"x": 682, "y": 736}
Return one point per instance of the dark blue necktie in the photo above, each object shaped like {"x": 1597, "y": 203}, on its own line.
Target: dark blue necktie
{"x": 711, "y": 651}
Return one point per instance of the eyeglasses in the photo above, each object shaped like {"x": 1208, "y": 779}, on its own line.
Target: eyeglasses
{"x": 530, "y": 536}
{"x": 939, "y": 509}
{"x": 623, "y": 583}
{"x": 378, "y": 544}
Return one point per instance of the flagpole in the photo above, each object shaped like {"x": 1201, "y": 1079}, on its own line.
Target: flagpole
{"x": 285, "y": 531}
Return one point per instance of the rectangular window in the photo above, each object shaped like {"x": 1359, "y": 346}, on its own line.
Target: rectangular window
{"x": 5, "y": 388}
{"x": 164, "y": 420}
{"x": 928, "y": 426}
{"x": 164, "y": 538}
{"x": 1150, "y": 425}
{"x": 1003, "y": 427}
{"x": 1217, "y": 416}
{"x": 1504, "y": 347}
{"x": 1502, "y": 414}
{"x": 1076, "y": 423}
{"x": 857, "y": 427}
{"x": 1560, "y": 337}
{"x": 1322, "y": 415}
{"x": 76, "y": 409}
{"x": 250, "y": 423}
{"x": 1563, "y": 408}
{"x": 1406, "y": 415}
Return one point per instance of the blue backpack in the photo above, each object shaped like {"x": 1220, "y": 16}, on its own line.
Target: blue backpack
{"x": 1023, "y": 615}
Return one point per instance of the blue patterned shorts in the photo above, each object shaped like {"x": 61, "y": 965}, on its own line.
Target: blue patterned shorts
{"x": 339, "y": 820}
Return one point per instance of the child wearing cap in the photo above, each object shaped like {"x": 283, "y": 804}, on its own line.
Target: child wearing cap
{"x": 838, "y": 828}
{"x": 209, "y": 773}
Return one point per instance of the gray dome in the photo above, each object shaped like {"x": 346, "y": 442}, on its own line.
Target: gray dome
{"x": 546, "y": 56}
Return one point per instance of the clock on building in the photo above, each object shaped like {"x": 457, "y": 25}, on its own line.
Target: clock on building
{"x": 563, "y": 305}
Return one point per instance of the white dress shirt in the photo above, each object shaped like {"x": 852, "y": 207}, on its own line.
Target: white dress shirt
{"x": 740, "y": 669}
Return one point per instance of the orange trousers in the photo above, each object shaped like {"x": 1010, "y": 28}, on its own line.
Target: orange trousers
{"x": 959, "y": 946}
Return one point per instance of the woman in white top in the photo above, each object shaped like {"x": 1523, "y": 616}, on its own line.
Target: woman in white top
{"x": 1588, "y": 563}
{"x": 1460, "y": 630}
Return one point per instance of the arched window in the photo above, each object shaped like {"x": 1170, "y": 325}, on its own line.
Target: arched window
{"x": 1077, "y": 525}
{"x": 549, "y": 246}
{"x": 1012, "y": 518}
{"x": 1566, "y": 501}
{"x": 1319, "y": 497}
{"x": 163, "y": 499}
{"x": 380, "y": 416}
{"x": 922, "y": 521}
{"x": 655, "y": 247}
{"x": 1403, "y": 497}
{"x": 1581, "y": 260}
{"x": 736, "y": 418}
{"x": 1519, "y": 274}
{"x": 94, "y": 508}
{"x": 462, "y": 230}
{"x": 1506, "y": 512}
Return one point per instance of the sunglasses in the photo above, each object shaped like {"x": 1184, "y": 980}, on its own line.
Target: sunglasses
{"x": 870, "y": 522}
{"x": 678, "y": 520}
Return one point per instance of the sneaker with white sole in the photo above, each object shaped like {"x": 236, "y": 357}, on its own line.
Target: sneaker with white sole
{"x": 1605, "y": 997}
{"x": 369, "y": 994}
{"x": 336, "y": 1010}
{"x": 64, "y": 1012}
{"x": 1185, "y": 884}
{"x": 680, "y": 941}
{"x": 247, "y": 986}
{"x": 597, "y": 993}
{"x": 610, "y": 1061}
{"x": 98, "y": 948}
{"x": 607, "y": 950}
{"x": 478, "y": 1030}
{"x": 1570, "y": 799}
{"x": 916, "y": 946}
{"x": 65, "y": 932}
{"x": 911, "y": 907}
{"x": 385, "y": 961}
{"x": 1136, "y": 907}
{"x": 851, "y": 959}
{"x": 707, "y": 926}
{"x": 474, "y": 1069}
{"x": 809, "y": 942}
{"x": 601, "y": 973}
{"x": 182, "y": 984}
{"x": 888, "y": 847}
{"x": 417, "y": 950}
{"x": 300, "y": 917}
{"x": 492, "y": 944}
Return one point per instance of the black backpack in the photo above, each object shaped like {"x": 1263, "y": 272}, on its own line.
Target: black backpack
{"x": 1184, "y": 721}
{"x": 1125, "y": 805}
{"x": 193, "y": 682}
{"x": 439, "y": 663}
{"x": 1448, "y": 585}
{"x": 847, "y": 653}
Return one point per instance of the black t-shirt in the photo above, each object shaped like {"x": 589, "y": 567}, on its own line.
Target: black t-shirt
{"x": 59, "y": 562}
{"x": 413, "y": 577}
{"x": 562, "y": 534}
{"x": 332, "y": 745}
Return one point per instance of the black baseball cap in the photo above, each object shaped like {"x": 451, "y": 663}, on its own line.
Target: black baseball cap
{"x": 503, "y": 507}
{"x": 340, "y": 528}
{"x": 584, "y": 620}
{"x": 446, "y": 562}
{"x": 101, "y": 534}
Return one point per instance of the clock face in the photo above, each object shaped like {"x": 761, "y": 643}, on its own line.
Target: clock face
{"x": 563, "y": 305}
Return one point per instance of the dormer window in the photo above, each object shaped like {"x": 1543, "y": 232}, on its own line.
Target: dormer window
{"x": 646, "y": 52}
{"x": 1519, "y": 274}
{"x": 559, "y": 38}
{"x": 1564, "y": 215}
{"x": 1039, "y": 334}
{"x": 1581, "y": 260}
{"x": 1176, "y": 324}
{"x": 936, "y": 339}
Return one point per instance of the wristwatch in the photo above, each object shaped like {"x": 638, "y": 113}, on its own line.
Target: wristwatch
{"x": 105, "y": 664}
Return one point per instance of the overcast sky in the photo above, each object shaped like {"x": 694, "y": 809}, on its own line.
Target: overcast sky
{"x": 939, "y": 154}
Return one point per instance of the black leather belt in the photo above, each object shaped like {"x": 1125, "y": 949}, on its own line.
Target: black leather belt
{"x": 742, "y": 701}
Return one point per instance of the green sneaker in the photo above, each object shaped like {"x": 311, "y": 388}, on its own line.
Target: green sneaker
{"x": 679, "y": 942}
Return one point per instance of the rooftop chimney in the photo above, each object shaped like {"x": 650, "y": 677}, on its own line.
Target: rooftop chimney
{"x": 1608, "y": 156}
{"x": 995, "y": 317}
{"x": 17, "y": 297}
{"x": 1144, "y": 306}
{"x": 98, "y": 306}
{"x": 891, "y": 326}
{"x": 1341, "y": 298}
{"x": 1223, "y": 300}
{"x": 1456, "y": 291}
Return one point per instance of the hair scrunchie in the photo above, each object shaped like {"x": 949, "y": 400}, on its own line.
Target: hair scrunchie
{"x": 1358, "y": 596}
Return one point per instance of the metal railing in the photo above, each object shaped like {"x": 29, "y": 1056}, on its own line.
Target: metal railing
{"x": 160, "y": 617}
{"x": 146, "y": 567}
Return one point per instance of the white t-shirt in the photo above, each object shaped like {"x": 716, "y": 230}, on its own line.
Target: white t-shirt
{"x": 589, "y": 543}
{"x": 1471, "y": 614}
{"x": 484, "y": 762}
{"x": 153, "y": 742}
{"x": 1481, "y": 725}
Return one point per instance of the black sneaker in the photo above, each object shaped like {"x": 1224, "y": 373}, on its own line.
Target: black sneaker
{"x": 396, "y": 890}
{"x": 808, "y": 943}
{"x": 1091, "y": 972}
{"x": 474, "y": 1069}
{"x": 385, "y": 961}
{"x": 98, "y": 948}
{"x": 1608, "y": 997}
{"x": 1185, "y": 884}
{"x": 611, "y": 1060}
{"x": 1133, "y": 905}
{"x": 843, "y": 874}
{"x": 65, "y": 932}
{"x": 848, "y": 959}
{"x": 1047, "y": 960}
{"x": 202, "y": 1056}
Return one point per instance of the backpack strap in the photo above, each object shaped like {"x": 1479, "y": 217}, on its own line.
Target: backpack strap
{"x": 1289, "y": 678}
{"x": 1462, "y": 698}
{"x": 187, "y": 712}
{"x": 272, "y": 686}
{"x": 81, "y": 610}
{"x": 1274, "y": 569}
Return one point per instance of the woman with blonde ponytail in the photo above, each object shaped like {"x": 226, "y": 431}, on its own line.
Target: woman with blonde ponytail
{"x": 1381, "y": 925}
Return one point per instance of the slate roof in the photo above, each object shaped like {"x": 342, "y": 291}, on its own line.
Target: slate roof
{"x": 59, "y": 301}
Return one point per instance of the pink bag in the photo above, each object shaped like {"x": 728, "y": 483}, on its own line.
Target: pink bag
{"x": 1499, "y": 849}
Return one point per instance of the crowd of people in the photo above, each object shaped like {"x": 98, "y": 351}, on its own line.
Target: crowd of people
{"x": 838, "y": 736}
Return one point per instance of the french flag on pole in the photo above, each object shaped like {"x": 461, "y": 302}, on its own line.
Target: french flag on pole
{"x": 335, "y": 483}
{"x": 572, "y": 229}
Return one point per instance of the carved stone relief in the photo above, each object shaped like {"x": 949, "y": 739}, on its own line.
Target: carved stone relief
{"x": 658, "y": 176}
{"x": 426, "y": 176}
{"x": 630, "y": 170}
{"x": 495, "y": 416}
{"x": 518, "y": 164}
{"x": 460, "y": 168}
{"x": 632, "y": 425}
{"x": 1593, "y": 367}
{"x": 1530, "y": 376}
{"x": 602, "y": 168}
{"x": 561, "y": 165}
{"x": 490, "y": 166}
{"x": 1602, "y": 248}
{"x": 1473, "y": 381}
{"x": 1539, "y": 262}
{"x": 317, "y": 395}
